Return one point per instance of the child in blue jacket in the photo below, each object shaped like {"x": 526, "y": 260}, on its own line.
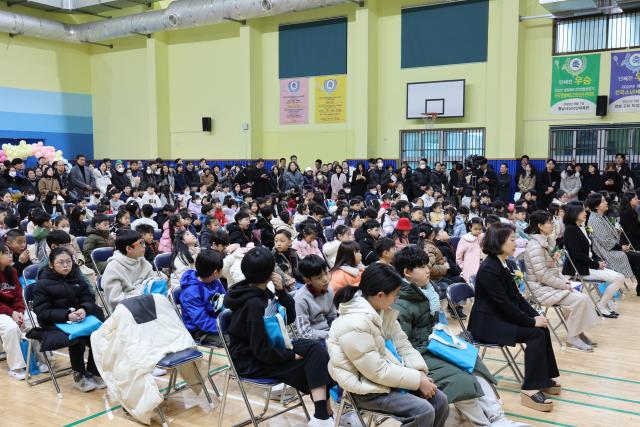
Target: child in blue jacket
{"x": 201, "y": 297}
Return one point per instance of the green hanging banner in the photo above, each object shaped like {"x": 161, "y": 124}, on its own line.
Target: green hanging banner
{"x": 574, "y": 84}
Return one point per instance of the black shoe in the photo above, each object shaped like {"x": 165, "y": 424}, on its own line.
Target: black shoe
{"x": 461, "y": 313}
{"x": 615, "y": 313}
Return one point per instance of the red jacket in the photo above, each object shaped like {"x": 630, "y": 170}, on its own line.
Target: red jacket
{"x": 219, "y": 215}
{"x": 10, "y": 292}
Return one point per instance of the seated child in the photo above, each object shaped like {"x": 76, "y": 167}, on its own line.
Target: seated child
{"x": 42, "y": 226}
{"x": 390, "y": 378}
{"x": 60, "y": 296}
{"x": 185, "y": 251}
{"x": 304, "y": 367}
{"x": 348, "y": 267}
{"x": 330, "y": 249}
{"x": 150, "y": 245}
{"x": 418, "y": 306}
{"x": 201, "y": 297}
{"x": 126, "y": 270}
{"x": 17, "y": 244}
{"x": 368, "y": 241}
{"x": 385, "y": 250}
{"x": 307, "y": 243}
{"x": 98, "y": 236}
{"x": 314, "y": 301}
{"x": 209, "y": 227}
{"x": 287, "y": 260}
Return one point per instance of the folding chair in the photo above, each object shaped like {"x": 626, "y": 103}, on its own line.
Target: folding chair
{"x": 329, "y": 234}
{"x": 80, "y": 241}
{"x": 30, "y": 274}
{"x": 589, "y": 286}
{"x": 92, "y": 207}
{"x": 376, "y": 418}
{"x": 174, "y": 297}
{"x": 100, "y": 255}
{"x": 156, "y": 210}
{"x": 27, "y": 295}
{"x": 223, "y": 321}
{"x": 30, "y": 239}
{"x": 162, "y": 261}
{"x": 67, "y": 206}
{"x": 326, "y": 222}
{"x": 173, "y": 361}
{"x": 157, "y": 235}
{"x": 460, "y": 291}
{"x": 454, "y": 243}
{"x": 544, "y": 309}
{"x": 102, "y": 297}
{"x": 23, "y": 224}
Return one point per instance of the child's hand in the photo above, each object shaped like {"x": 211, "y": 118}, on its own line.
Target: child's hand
{"x": 298, "y": 357}
{"x": 277, "y": 281}
{"x": 24, "y": 256}
{"x": 18, "y": 318}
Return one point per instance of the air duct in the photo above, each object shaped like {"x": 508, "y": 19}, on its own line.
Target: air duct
{"x": 179, "y": 14}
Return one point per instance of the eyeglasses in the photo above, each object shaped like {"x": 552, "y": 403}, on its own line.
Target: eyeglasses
{"x": 63, "y": 263}
{"x": 139, "y": 242}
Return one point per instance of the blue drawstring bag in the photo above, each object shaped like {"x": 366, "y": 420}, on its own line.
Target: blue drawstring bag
{"x": 275, "y": 325}
{"x": 391, "y": 347}
{"x": 80, "y": 329}
{"x": 603, "y": 287}
{"x": 33, "y": 363}
{"x": 445, "y": 345}
{"x": 156, "y": 285}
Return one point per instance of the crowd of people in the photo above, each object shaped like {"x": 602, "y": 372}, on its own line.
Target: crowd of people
{"x": 360, "y": 257}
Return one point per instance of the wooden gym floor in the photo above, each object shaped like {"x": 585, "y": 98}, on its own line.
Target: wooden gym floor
{"x": 600, "y": 389}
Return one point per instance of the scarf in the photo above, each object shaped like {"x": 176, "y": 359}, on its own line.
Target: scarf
{"x": 433, "y": 297}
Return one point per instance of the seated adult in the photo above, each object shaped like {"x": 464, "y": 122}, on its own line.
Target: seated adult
{"x": 126, "y": 270}
{"x": 551, "y": 288}
{"x": 201, "y": 297}
{"x": 630, "y": 223}
{"x": 607, "y": 243}
{"x": 500, "y": 315}
{"x": 578, "y": 242}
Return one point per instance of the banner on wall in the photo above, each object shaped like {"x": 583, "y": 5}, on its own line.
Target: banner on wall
{"x": 574, "y": 84}
{"x": 624, "y": 92}
{"x": 331, "y": 99}
{"x": 294, "y": 101}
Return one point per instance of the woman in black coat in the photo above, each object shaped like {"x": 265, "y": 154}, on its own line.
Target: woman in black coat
{"x": 611, "y": 179}
{"x": 629, "y": 219}
{"x": 500, "y": 315}
{"x": 359, "y": 181}
{"x": 61, "y": 296}
{"x": 591, "y": 181}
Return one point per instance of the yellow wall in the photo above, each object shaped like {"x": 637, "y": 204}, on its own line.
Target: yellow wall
{"x": 149, "y": 94}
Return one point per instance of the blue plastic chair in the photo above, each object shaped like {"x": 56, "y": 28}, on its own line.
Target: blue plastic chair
{"x": 157, "y": 235}
{"x": 458, "y": 292}
{"x": 30, "y": 239}
{"x": 329, "y": 234}
{"x": 162, "y": 261}
{"x": 30, "y": 274}
{"x": 156, "y": 210}
{"x": 100, "y": 255}
{"x": 23, "y": 224}
{"x": 80, "y": 241}
{"x": 454, "y": 243}
{"x": 174, "y": 297}
{"x": 326, "y": 222}
{"x": 223, "y": 321}
{"x": 27, "y": 296}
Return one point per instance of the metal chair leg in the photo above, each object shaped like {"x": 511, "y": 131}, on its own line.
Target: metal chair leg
{"x": 201, "y": 380}
{"x": 304, "y": 407}
{"x": 223, "y": 402}
{"x": 162, "y": 419}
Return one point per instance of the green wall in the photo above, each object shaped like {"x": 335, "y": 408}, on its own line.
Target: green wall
{"x": 149, "y": 94}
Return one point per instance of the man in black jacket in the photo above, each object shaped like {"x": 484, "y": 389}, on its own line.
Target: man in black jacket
{"x": 547, "y": 183}
{"x": 379, "y": 176}
{"x": 504, "y": 183}
{"x": 487, "y": 177}
{"x": 260, "y": 178}
{"x": 421, "y": 177}
{"x": 439, "y": 179}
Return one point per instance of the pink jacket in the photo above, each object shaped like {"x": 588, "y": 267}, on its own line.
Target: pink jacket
{"x": 166, "y": 245}
{"x": 468, "y": 255}
{"x": 303, "y": 248}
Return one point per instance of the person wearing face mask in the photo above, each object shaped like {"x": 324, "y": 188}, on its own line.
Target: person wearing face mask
{"x": 27, "y": 203}
{"x": 570, "y": 183}
{"x": 150, "y": 177}
{"x": 379, "y": 176}
{"x": 421, "y": 178}
{"x": 119, "y": 178}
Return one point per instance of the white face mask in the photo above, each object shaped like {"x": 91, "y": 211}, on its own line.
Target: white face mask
{"x": 31, "y": 197}
{"x": 120, "y": 170}
{"x": 347, "y": 190}
{"x": 374, "y": 192}
{"x": 380, "y": 165}
{"x": 129, "y": 175}
{"x": 66, "y": 230}
{"x": 158, "y": 172}
{"x": 12, "y": 174}
{"x": 423, "y": 166}
{"x": 148, "y": 171}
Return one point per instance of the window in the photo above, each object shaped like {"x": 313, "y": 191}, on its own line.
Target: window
{"x": 595, "y": 144}
{"x": 446, "y": 145}
{"x": 447, "y": 33}
{"x": 602, "y": 32}
{"x": 316, "y": 48}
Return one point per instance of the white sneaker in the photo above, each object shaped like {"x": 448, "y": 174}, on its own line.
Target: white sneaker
{"x": 505, "y": 422}
{"x": 98, "y": 382}
{"x": 18, "y": 374}
{"x": 42, "y": 367}
{"x": 157, "y": 372}
{"x": 331, "y": 422}
{"x": 350, "y": 419}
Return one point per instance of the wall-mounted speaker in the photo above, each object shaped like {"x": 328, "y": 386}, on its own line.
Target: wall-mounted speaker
{"x": 601, "y": 105}
{"x": 207, "y": 124}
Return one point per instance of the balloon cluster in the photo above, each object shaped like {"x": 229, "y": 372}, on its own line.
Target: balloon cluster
{"x": 24, "y": 150}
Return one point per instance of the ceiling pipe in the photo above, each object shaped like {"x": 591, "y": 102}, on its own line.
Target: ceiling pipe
{"x": 179, "y": 14}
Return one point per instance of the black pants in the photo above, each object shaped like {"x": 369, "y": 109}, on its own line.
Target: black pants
{"x": 539, "y": 361}
{"x": 207, "y": 338}
{"x": 76, "y": 357}
{"x": 306, "y": 374}
{"x": 634, "y": 261}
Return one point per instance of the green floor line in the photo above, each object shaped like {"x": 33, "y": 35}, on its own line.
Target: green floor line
{"x": 511, "y": 414}
{"x": 115, "y": 408}
{"x": 586, "y": 374}
{"x": 589, "y": 405}
{"x": 603, "y": 396}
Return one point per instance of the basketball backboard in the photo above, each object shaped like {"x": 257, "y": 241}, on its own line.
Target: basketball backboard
{"x": 446, "y": 98}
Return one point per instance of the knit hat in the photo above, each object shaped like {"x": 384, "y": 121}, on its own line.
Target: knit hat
{"x": 118, "y": 162}
{"x": 403, "y": 224}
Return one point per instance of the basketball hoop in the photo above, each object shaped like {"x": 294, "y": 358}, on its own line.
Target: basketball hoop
{"x": 429, "y": 120}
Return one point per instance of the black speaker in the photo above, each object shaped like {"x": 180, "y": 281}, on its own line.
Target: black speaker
{"x": 207, "y": 124}
{"x": 601, "y": 105}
